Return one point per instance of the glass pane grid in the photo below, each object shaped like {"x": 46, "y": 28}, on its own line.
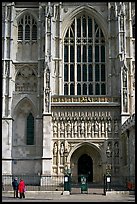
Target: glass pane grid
{"x": 89, "y": 74}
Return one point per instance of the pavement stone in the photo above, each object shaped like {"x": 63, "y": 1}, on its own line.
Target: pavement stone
{"x": 59, "y": 196}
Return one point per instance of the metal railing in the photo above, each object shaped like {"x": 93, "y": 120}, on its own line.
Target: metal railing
{"x": 56, "y": 183}
{"x": 35, "y": 182}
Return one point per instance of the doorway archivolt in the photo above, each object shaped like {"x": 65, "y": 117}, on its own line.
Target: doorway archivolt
{"x": 85, "y": 158}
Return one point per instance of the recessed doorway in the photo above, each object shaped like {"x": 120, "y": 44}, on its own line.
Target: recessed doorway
{"x": 85, "y": 167}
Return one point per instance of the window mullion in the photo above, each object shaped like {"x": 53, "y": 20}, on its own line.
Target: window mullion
{"x": 75, "y": 60}
{"x": 81, "y": 64}
{"x": 24, "y": 27}
{"x": 100, "y": 60}
{"x": 87, "y": 52}
{"x": 93, "y": 54}
{"x": 31, "y": 29}
{"x": 69, "y": 64}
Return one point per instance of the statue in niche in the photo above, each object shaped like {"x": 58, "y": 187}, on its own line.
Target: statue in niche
{"x": 109, "y": 150}
{"x": 49, "y": 10}
{"x": 62, "y": 127}
{"x": 62, "y": 149}
{"x": 109, "y": 126}
{"x": 47, "y": 99}
{"x": 61, "y": 114}
{"x": 75, "y": 115}
{"x": 78, "y": 129}
{"x": 116, "y": 126}
{"x": 96, "y": 126}
{"x": 92, "y": 126}
{"x": 89, "y": 127}
{"x": 69, "y": 127}
{"x": 55, "y": 127}
{"x": 75, "y": 127}
{"x": 133, "y": 71}
{"x": 125, "y": 100}
{"x": 103, "y": 127}
{"x": 55, "y": 149}
{"x": 82, "y": 127}
{"x": 112, "y": 12}
{"x": 67, "y": 146}
{"x": 124, "y": 74}
{"x": 61, "y": 153}
{"x": 48, "y": 78}
{"x": 116, "y": 152}
{"x": 116, "y": 149}
{"x": 82, "y": 115}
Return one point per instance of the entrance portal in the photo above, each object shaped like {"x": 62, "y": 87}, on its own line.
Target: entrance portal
{"x": 85, "y": 167}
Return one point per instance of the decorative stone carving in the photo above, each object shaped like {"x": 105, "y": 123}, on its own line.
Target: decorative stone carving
{"x": 55, "y": 127}
{"x": 109, "y": 126}
{"x": 82, "y": 127}
{"x": 89, "y": 127}
{"x": 78, "y": 128}
{"x": 96, "y": 126}
{"x": 62, "y": 149}
{"x": 55, "y": 151}
{"x": 26, "y": 80}
{"x": 62, "y": 153}
{"x": 69, "y": 126}
{"x": 116, "y": 126}
{"x": 116, "y": 152}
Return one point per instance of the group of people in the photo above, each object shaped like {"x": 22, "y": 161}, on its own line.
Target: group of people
{"x": 19, "y": 187}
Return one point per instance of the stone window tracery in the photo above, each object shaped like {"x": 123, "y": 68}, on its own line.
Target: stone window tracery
{"x": 26, "y": 80}
{"x": 27, "y": 28}
{"x": 84, "y": 58}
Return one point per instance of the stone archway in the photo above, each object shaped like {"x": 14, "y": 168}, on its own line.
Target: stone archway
{"x": 90, "y": 153}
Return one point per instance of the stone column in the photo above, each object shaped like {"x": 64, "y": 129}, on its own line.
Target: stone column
{"x": 47, "y": 149}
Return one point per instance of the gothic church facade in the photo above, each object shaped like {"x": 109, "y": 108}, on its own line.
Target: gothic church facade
{"x": 68, "y": 86}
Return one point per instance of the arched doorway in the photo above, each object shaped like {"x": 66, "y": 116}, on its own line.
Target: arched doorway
{"x": 85, "y": 167}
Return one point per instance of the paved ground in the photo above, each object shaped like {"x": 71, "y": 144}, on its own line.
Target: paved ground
{"x": 57, "y": 197}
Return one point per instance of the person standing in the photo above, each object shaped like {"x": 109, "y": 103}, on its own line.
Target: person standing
{"x": 21, "y": 188}
{"x": 15, "y": 187}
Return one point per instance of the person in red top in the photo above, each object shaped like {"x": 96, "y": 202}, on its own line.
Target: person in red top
{"x": 21, "y": 188}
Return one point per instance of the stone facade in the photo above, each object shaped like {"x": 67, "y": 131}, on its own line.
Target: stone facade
{"x": 70, "y": 118}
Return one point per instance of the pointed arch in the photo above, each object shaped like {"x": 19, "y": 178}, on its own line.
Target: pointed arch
{"x": 27, "y": 25}
{"x": 19, "y": 106}
{"x": 88, "y": 10}
{"x": 85, "y": 46}
{"x": 83, "y": 144}
{"x": 24, "y": 122}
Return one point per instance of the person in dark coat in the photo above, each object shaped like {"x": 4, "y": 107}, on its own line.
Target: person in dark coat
{"x": 15, "y": 187}
{"x": 21, "y": 188}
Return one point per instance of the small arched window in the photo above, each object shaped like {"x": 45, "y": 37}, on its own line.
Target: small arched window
{"x": 27, "y": 28}
{"x": 30, "y": 129}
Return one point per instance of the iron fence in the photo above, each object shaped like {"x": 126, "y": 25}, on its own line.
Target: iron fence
{"x": 56, "y": 183}
{"x": 35, "y": 182}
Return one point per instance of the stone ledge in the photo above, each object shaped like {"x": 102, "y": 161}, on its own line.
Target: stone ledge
{"x": 120, "y": 192}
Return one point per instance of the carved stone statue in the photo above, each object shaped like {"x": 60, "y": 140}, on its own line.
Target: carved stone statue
{"x": 62, "y": 149}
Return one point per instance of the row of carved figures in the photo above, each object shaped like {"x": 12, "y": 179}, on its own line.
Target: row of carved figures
{"x": 61, "y": 151}
{"x": 83, "y": 128}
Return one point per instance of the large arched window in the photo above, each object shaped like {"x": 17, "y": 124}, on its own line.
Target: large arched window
{"x": 30, "y": 129}
{"x": 27, "y": 28}
{"x": 84, "y": 58}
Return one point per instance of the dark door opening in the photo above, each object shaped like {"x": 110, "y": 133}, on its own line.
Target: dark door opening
{"x": 85, "y": 167}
